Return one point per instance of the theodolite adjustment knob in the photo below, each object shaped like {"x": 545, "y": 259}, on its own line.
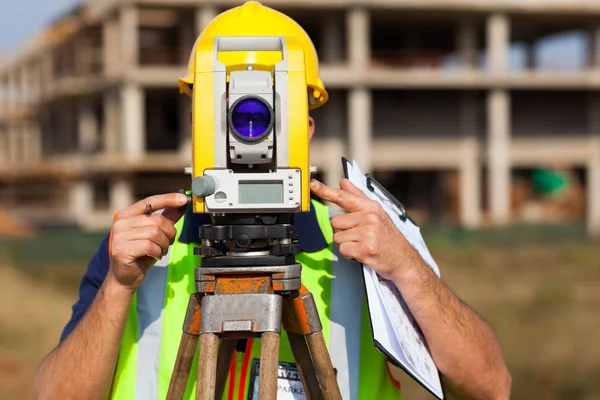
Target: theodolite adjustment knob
{"x": 203, "y": 186}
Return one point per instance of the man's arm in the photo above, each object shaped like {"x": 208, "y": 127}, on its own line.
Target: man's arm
{"x": 463, "y": 346}
{"x": 82, "y": 365}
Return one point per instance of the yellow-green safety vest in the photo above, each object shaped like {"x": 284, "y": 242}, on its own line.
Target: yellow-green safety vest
{"x": 153, "y": 330}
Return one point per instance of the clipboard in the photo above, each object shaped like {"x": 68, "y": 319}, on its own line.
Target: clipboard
{"x": 388, "y": 313}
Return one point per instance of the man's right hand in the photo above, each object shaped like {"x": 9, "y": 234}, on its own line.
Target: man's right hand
{"x": 139, "y": 240}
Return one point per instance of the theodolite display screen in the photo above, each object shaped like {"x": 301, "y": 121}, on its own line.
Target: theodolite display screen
{"x": 261, "y": 192}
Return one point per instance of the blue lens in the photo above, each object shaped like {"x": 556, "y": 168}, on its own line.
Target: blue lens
{"x": 251, "y": 118}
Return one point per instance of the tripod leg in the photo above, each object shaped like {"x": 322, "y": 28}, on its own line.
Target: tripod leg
{"x": 226, "y": 350}
{"x": 269, "y": 362}
{"x": 183, "y": 365}
{"x": 305, "y": 366}
{"x": 187, "y": 350}
{"x": 207, "y": 366}
{"x": 307, "y": 323}
{"x": 323, "y": 365}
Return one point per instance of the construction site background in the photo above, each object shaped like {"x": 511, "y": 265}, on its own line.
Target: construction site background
{"x": 453, "y": 105}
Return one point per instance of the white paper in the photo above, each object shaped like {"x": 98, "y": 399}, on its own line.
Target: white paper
{"x": 393, "y": 324}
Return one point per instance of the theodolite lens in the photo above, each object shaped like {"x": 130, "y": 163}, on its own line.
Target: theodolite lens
{"x": 251, "y": 118}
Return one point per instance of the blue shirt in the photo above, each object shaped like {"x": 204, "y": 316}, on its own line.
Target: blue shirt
{"x": 309, "y": 233}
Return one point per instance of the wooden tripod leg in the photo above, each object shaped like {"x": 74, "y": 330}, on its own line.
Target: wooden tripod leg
{"x": 269, "y": 362}
{"x": 226, "y": 350}
{"x": 323, "y": 366}
{"x": 308, "y": 375}
{"x": 207, "y": 366}
{"x": 306, "y": 321}
{"x": 187, "y": 350}
{"x": 183, "y": 365}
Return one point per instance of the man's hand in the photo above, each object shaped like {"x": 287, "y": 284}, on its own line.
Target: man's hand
{"x": 366, "y": 233}
{"x": 139, "y": 239}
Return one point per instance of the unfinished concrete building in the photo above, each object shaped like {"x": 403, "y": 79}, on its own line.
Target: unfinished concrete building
{"x": 91, "y": 118}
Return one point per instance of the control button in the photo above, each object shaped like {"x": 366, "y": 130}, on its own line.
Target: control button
{"x": 203, "y": 186}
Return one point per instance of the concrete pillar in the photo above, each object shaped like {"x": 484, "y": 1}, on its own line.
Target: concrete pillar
{"x": 81, "y": 200}
{"x": 499, "y": 169}
{"x": 358, "y": 28}
{"x": 129, "y": 37}
{"x": 112, "y": 129}
{"x": 87, "y": 128}
{"x": 470, "y": 176}
{"x": 593, "y": 185}
{"x": 360, "y": 128}
{"x": 336, "y": 149}
{"x": 467, "y": 43}
{"x": 332, "y": 41}
{"x": 498, "y": 42}
{"x": 204, "y": 15}
{"x": 133, "y": 130}
{"x": 110, "y": 47}
{"x": 121, "y": 193}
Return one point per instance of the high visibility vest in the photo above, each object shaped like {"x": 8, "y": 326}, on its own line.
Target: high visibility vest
{"x": 153, "y": 330}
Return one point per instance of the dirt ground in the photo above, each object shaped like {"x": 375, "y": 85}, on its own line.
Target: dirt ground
{"x": 541, "y": 296}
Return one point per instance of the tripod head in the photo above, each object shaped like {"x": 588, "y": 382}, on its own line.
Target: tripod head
{"x": 248, "y": 239}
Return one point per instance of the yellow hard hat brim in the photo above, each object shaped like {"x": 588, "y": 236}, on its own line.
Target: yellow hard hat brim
{"x": 185, "y": 85}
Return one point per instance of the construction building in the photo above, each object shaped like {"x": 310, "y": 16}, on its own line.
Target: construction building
{"x": 420, "y": 90}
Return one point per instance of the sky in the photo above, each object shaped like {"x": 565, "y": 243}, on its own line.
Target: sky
{"x": 20, "y": 19}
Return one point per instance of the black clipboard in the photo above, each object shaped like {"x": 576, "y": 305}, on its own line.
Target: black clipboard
{"x": 371, "y": 184}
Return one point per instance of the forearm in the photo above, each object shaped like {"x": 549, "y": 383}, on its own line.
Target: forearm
{"x": 83, "y": 364}
{"x": 462, "y": 344}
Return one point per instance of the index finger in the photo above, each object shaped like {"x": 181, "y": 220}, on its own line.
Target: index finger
{"x": 350, "y": 202}
{"x": 156, "y": 202}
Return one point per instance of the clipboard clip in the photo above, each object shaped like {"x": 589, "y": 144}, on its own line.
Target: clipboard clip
{"x": 371, "y": 182}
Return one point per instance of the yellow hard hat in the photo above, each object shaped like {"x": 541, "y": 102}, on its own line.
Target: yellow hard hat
{"x": 254, "y": 19}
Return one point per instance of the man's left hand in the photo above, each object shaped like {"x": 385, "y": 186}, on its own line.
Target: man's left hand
{"x": 366, "y": 233}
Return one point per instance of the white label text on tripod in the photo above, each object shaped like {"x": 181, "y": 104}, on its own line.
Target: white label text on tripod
{"x": 289, "y": 385}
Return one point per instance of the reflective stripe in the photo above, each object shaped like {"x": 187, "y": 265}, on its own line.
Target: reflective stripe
{"x": 150, "y": 300}
{"x": 346, "y": 322}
